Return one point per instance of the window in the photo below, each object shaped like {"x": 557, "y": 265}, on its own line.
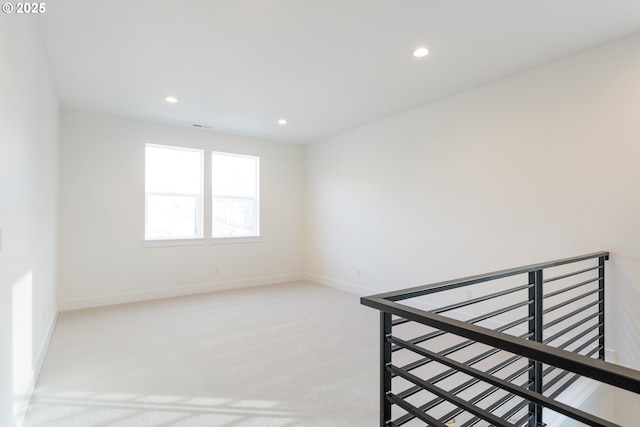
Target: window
{"x": 173, "y": 192}
{"x": 235, "y": 191}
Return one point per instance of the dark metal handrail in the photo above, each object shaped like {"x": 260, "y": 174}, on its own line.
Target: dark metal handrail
{"x": 471, "y": 280}
{"x": 533, "y": 349}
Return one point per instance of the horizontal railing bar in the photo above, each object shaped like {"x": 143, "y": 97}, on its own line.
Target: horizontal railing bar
{"x": 424, "y": 408}
{"x": 470, "y": 383}
{"x": 492, "y": 370}
{"x": 576, "y": 338}
{"x": 550, "y": 369}
{"x": 458, "y": 283}
{"x": 502, "y": 401}
{"x": 525, "y": 420}
{"x": 570, "y": 328}
{"x": 556, "y": 379}
{"x": 511, "y": 412}
{"x": 569, "y": 315}
{"x": 423, "y": 338}
{"x": 399, "y": 321}
{"x": 413, "y": 410}
{"x": 500, "y": 311}
{"x": 553, "y": 381}
{"x": 467, "y": 384}
{"x": 413, "y": 390}
{"x": 481, "y": 299}
{"x": 427, "y": 406}
{"x": 514, "y": 323}
{"x": 575, "y": 273}
{"x": 503, "y": 328}
{"x": 568, "y": 383}
{"x": 486, "y": 393}
{"x": 443, "y": 375}
{"x": 461, "y": 403}
{"x": 619, "y": 376}
{"x": 474, "y": 400}
{"x": 588, "y": 354}
{"x": 478, "y": 319}
{"x": 461, "y": 387}
{"x": 594, "y": 329}
{"x": 559, "y": 407}
{"x": 570, "y": 301}
{"x": 569, "y": 288}
{"x": 422, "y": 362}
{"x": 409, "y": 392}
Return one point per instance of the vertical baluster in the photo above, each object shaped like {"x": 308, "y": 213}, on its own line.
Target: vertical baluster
{"x": 601, "y": 319}
{"x": 536, "y": 331}
{"x": 385, "y": 375}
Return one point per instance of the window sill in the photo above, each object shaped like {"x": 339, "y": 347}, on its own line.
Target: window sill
{"x": 172, "y": 242}
{"x": 234, "y": 240}
{"x": 159, "y": 243}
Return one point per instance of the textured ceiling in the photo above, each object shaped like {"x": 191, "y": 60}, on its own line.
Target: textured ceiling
{"x": 329, "y": 66}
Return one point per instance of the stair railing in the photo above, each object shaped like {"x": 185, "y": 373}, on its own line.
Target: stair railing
{"x": 498, "y": 348}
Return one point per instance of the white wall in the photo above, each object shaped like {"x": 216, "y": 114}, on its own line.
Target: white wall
{"x": 28, "y": 205}
{"x": 539, "y": 166}
{"x": 600, "y": 400}
{"x": 102, "y": 260}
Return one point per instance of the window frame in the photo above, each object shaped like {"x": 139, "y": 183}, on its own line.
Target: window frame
{"x": 238, "y": 238}
{"x": 199, "y": 202}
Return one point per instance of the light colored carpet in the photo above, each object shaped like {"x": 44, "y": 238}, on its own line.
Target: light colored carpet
{"x": 296, "y": 354}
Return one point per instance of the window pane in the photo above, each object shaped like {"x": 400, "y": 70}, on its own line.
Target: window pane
{"x": 234, "y": 217}
{"x": 234, "y": 175}
{"x": 173, "y": 186}
{"x": 235, "y": 188}
{"x": 171, "y": 216}
{"x": 173, "y": 170}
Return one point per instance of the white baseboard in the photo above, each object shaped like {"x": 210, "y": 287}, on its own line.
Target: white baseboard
{"x": 352, "y": 288}
{"x": 22, "y": 404}
{"x": 113, "y": 299}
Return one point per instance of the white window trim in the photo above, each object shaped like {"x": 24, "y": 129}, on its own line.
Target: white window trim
{"x": 176, "y": 240}
{"x": 158, "y": 243}
{"x": 234, "y": 240}
{"x": 249, "y": 238}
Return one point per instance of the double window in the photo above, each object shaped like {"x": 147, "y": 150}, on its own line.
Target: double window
{"x": 175, "y": 187}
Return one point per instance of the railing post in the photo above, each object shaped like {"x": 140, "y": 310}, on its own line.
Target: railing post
{"x": 601, "y": 261}
{"x": 385, "y": 375}
{"x": 536, "y": 330}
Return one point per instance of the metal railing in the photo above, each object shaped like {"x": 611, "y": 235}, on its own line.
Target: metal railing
{"x": 496, "y": 349}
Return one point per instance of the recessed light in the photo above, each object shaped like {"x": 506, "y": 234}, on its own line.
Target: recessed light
{"x": 421, "y": 52}
{"x": 282, "y": 122}
{"x": 171, "y": 99}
